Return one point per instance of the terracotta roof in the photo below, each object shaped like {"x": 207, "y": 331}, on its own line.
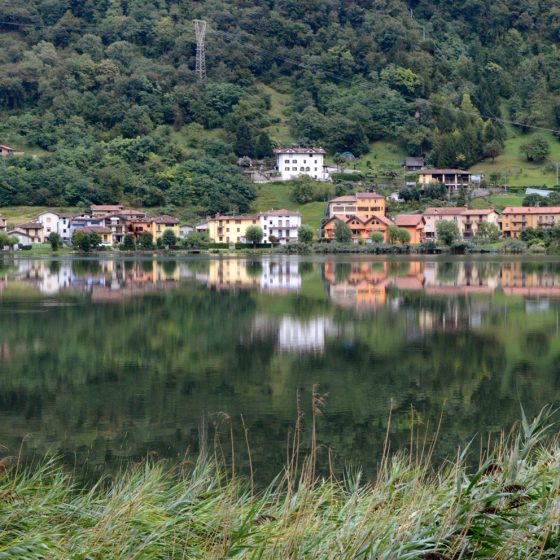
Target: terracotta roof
{"x": 445, "y": 211}
{"x": 382, "y": 219}
{"x": 532, "y": 210}
{"x": 299, "y": 151}
{"x": 281, "y": 213}
{"x": 106, "y": 207}
{"x": 408, "y": 220}
{"x": 4, "y": 147}
{"x": 482, "y": 212}
{"x": 239, "y": 217}
{"x": 30, "y": 225}
{"x": 95, "y": 229}
{"x": 345, "y": 198}
{"x": 165, "y": 219}
{"x": 130, "y": 212}
{"x": 368, "y": 195}
{"x": 445, "y": 171}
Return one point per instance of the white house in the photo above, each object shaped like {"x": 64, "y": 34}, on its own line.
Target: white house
{"x": 281, "y": 224}
{"x": 293, "y": 162}
{"x": 56, "y": 222}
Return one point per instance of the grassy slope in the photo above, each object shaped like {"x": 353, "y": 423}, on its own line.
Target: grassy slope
{"x": 519, "y": 171}
{"x": 277, "y": 196}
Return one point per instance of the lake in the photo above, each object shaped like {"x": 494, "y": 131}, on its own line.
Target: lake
{"x": 104, "y": 361}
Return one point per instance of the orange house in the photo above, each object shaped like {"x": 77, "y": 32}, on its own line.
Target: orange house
{"x": 361, "y": 228}
{"x": 414, "y": 224}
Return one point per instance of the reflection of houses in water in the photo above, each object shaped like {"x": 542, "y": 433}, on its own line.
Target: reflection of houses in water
{"x": 293, "y": 334}
{"x": 364, "y": 284}
{"x": 104, "y": 280}
{"x": 278, "y": 275}
{"x": 527, "y": 280}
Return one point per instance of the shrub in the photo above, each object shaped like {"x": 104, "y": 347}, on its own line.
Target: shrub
{"x": 513, "y": 246}
{"x": 342, "y": 232}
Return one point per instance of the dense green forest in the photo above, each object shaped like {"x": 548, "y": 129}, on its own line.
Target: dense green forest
{"x": 105, "y": 93}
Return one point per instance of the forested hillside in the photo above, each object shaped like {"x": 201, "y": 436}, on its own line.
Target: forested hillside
{"x": 104, "y": 92}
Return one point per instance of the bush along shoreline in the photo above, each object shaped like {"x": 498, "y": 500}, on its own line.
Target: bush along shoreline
{"x": 506, "y": 508}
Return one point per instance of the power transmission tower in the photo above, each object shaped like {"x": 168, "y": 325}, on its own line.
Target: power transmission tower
{"x": 200, "y": 32}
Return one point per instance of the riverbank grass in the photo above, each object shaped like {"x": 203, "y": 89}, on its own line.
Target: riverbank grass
{"x": 507, "y": 508}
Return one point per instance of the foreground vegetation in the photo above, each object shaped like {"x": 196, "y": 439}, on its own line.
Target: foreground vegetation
{"x": 507, "y": 508}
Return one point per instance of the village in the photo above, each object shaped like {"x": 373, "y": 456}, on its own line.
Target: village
{"x": 361, "y": 217}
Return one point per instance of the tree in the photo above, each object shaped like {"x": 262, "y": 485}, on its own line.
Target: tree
{"x": 55, "y": 240}
{"x": 403, "y": 236}
{"x": 80, "y": 241}
{"x": 447, "y": 232}
{"x": 129, "y": 244}
{"x": 254, "y": 234}
{"x": 84, "y": 243}
{"x": 94, "y": 240}
{"x": 305, "y": 234}
{"x": 146, "y": 241}
{"x": 342, "y": 232}
{"x": 168, "y": 238}
{"x": 393, "y": 234}
{"x": 4, "y": 240}
{"x": 492, "y": 149}
{"x": 263, "y": 146}
{"x": 12, "y": 242}
{"x": 488, "y": 231}
{"x": 377, "y": 237}
{"x": 536, "y": 150}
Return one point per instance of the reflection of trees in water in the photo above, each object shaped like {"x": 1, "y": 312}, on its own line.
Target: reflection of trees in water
{"x": 342, "y": 271}
{"x": 85, "y": 267}
{"x": 305, "y": 269}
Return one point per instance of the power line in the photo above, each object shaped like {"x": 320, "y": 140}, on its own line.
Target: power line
{"x": 334, "y": 76}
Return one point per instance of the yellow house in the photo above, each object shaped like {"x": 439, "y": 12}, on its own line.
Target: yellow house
{"x": 160, "y": 224}
{"x": 230, "y": 229}
{"x": 517, "y": 218}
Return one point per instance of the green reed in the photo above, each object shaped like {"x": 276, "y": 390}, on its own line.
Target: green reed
{"x": 509, "y": 508}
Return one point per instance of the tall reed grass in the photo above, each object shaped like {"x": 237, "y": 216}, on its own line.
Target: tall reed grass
{"x": 508, "y": 508}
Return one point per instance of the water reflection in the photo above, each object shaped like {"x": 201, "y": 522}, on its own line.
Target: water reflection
{"x": 130, "y": 355}
{"x": 362, "y": 284}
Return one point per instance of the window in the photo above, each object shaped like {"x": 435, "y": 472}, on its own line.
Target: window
{"x": 304, "y": 161}
{"x": 294, "y": 161}
{"x": 237, "y": 230}
{"x": 287, "y": 169}
{"x": 294, "y": 168}
{"x": 315, "y": 169}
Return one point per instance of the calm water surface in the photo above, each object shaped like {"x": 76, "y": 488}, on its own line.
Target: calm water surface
{"x": 104, "y": 361}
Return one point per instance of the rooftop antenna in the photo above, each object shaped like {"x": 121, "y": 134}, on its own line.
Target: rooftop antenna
{"x": 200, "y": 32}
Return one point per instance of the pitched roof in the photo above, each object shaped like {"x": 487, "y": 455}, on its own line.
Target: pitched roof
{"x": 345, "y": 198}
{"x": 95, "y": 229}
{"x": 130, "y": 212}
{"x": 368, "y": 195}
{"x": 166, "y": 219}
{"x": 445, "y": 211}
{"x": 414, "y": 161}
{"x": 281, "y": 213}
{"x": 445, "y": 171}
{"x": 299, "y": 151}
{"x": 409, "y": 220}
{"x": 239, "y": 217}
{"x": 106, "y": 207}
{"x": 480, "y": 212}
{"x": 532, "y": 210}
{"x": 4, "y": 147}
{"x": 30, "y": 225}
{"x": 382, "y": 219}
